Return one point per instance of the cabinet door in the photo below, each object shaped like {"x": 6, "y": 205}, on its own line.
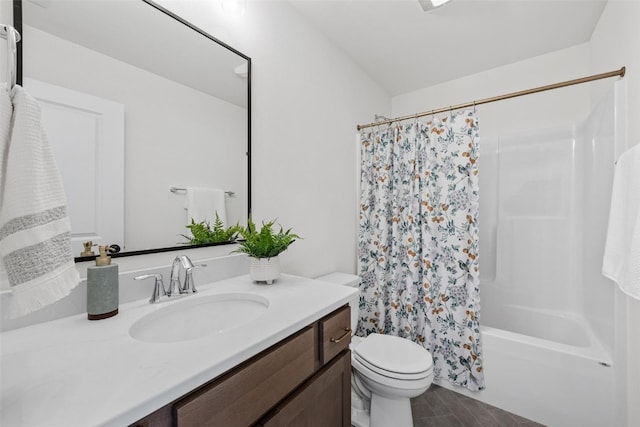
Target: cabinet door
{"x": 324, "y": 401}
{"x": 243, "y": 396}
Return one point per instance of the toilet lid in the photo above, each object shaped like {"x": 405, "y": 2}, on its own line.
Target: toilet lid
{"x": 389, "y": 355}
{"x": 365, "y": 368}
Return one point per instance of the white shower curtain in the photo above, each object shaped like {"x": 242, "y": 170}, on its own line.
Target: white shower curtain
{"x": 418, "y": 240}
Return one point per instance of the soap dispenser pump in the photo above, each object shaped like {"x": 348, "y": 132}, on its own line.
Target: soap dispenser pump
{"x": 102, "y": 287}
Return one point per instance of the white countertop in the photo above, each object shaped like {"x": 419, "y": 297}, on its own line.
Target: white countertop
{"x": 76, "y": 372}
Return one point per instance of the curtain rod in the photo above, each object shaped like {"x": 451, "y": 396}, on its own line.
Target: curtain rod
{"x": 619, "y": 72}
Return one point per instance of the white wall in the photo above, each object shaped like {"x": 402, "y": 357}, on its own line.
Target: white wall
{"x": 307, "y": 98}
{"x": 616, "y": 42}
{"x": 546, "y": 110}
{"x": 170, "y": 136}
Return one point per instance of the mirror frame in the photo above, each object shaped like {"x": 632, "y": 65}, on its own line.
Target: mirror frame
{"x": 17, "y": 23}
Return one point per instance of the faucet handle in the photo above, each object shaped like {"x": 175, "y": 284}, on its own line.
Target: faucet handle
{"x": 189, "y": 284}
{"x": 158, "y": 288}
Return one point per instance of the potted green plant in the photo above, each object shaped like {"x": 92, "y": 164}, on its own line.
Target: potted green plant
{"x": 203, "y": 233}
{"x": 263, "y": 247}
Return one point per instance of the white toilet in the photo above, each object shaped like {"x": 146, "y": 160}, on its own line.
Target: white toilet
{"x": 387, "y": 371}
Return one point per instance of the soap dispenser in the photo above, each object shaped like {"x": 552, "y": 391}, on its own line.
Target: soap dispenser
{"x": 102, "y": 287}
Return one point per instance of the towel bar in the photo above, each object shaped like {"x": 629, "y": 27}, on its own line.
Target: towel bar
{"x": 176, "y": 189}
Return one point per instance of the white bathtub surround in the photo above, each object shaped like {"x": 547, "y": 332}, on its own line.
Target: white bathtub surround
{"x": 75, "y": 372}
{"x": 622, "y": 251}
{"x": 418, "y": 240}
{"x": 35, "y": 231}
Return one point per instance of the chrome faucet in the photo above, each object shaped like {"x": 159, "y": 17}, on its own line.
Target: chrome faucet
{"x": 174, "y": 284}
{"x": 158, "y": 287}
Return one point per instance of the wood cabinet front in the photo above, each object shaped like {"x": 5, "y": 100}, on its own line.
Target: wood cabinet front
{"x": 324, "y": 401}
{"x": 334, "y": 334}
{"x": 241, "y": 397}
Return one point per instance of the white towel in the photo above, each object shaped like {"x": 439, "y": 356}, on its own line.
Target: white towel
{"x": 203, "y": 203}
{"x": 35, "y": 246}
{"x": 6, "y": 111}
{"x": 621, "y": 261}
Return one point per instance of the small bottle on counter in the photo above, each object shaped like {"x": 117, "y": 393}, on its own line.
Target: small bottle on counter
{"x": 87, "y": 248}
{"x": 102, "y": 287}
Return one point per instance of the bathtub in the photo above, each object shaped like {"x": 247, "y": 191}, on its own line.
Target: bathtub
{"x": 545, "y": 366}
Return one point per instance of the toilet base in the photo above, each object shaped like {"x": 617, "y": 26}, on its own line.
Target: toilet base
{"x": 359, "y": 410}
{"x": 387, "y": 412}
{"x": 359, "y": 418}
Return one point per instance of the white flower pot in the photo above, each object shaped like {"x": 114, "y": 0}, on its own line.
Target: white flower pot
{"x": 264, "y": 269}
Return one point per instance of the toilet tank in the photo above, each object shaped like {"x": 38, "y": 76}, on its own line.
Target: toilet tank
{"x": 353, "y": 281}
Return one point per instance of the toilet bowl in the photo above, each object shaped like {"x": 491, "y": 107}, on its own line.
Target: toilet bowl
{"x": 387, "y": 371}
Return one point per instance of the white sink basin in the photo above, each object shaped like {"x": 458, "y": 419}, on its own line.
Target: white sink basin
{"x": 198, "y": 316}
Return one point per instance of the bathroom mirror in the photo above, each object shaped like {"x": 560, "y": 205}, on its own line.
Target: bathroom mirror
{"x": 149, "y": 103}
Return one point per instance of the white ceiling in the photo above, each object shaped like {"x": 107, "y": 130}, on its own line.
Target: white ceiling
{"x": 404, "y": 49}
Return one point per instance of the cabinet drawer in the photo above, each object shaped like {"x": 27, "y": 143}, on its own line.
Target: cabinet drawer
{"x": 334, "y": 333}
{"x": 242, "y": 396}
{"x": 323, "y": 401}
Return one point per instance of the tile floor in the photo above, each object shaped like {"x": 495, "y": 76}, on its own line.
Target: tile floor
{"x": 439, "y": 407}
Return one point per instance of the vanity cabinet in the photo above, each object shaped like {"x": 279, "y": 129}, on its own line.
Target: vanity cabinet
{"x": 303, "y": 380}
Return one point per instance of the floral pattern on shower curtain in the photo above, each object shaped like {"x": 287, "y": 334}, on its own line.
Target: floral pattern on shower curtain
{"x": 418, "y": 240}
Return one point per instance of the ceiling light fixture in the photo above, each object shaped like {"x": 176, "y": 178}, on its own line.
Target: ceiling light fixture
{"x": 428, "y": 5}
